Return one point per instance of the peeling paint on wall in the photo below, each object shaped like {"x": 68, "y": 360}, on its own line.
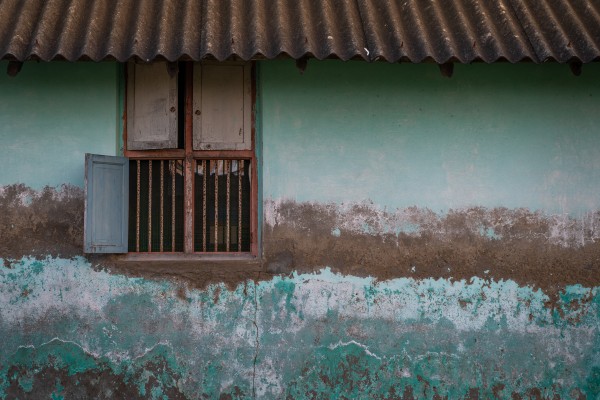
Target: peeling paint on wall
{"x": 362, "y": 307}
{"x": 69, "y": 330}
{"x": 532, "y": 248}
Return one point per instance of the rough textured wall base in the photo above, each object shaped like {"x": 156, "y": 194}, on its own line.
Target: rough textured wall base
{"x": 70, "y": 331}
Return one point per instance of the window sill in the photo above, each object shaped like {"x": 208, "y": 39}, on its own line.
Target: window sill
{"x": 198, "y": 270}
{"x": 189, "y": 260}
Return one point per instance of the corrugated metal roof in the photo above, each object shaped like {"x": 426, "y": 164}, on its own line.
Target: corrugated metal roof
{"x": 391, "y": 30}
{"x": 442, "y": 30}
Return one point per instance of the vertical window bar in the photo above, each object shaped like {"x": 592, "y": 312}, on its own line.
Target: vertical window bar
{"x": 173, "y": 164}
{"x": 162, "y": 202}
{"x": 217, "y": 162}
{"x": 150, "y": 205}
{"x": 227, "y": 171}
{"x": 240, "y": 169}
{"x": 204, "y": 173}
{"x": 137, "y": 209}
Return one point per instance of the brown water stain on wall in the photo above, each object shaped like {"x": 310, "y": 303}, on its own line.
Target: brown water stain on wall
{"x": 528, "y": 247}
{"x": 85, "y": 385}
{"x": 49, "y": 222}
{"x": 41, "y": 223}
{"x": 64, "y": 370}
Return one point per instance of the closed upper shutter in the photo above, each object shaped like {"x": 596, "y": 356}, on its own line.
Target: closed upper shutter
{"x": 151, "y": 107}
{"x": 106, "y": 204}
{"x": 222, "y": 107}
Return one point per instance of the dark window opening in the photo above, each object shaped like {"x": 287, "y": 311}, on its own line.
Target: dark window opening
{"x": 222, "y": 206}
{"x": 156, "y": 205}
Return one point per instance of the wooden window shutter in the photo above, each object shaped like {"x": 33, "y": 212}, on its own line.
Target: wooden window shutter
{"x": 106, "y": 204}
{"x": 222, "y": 107}
{"x": 151, "y": 107}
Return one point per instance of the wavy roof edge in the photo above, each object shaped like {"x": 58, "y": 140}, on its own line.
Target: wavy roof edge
{"x": 415, "y": 31}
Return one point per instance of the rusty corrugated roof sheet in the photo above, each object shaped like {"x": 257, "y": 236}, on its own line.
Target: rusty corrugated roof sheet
{"x": 390, "y": 30}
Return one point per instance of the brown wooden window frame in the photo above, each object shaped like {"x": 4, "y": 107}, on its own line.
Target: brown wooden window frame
{"x": 191, "y": 156}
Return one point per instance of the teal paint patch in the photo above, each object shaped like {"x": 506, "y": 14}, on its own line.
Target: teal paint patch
{"x": 37, "y": 267}
{"x": 427, "y": 338}
{"x": 402, "y": 135}
{"x": 51, "y": 114}
{"x": 489, "y": 233}
{"x": 593, "y": 380}
{"x": 58, "y": 394}
{"x": 322, "y": 335}
{"x": 285, "y": 289}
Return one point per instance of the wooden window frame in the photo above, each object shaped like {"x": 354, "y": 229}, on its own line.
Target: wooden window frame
{"x": 190, "y": 157}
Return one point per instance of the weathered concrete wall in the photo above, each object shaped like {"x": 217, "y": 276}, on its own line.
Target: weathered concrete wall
{"x": 394, "y": 173}
{"x": 71, "y": 331}
{"x": 393, "y": 170}
{"x": 406, "y": 255}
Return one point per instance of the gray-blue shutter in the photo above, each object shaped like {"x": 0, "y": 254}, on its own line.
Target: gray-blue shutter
{"x": 106, "y": 204}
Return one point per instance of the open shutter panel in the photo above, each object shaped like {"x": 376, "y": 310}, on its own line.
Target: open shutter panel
{"x": 222, "y": 107}
{"x": 106, "y": 204}
{"x": 151, "y": 107}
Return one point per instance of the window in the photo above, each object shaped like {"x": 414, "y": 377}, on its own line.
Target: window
{"x": 189, "y": 172}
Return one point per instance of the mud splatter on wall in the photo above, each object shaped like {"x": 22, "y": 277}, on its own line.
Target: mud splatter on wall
{"x": 41, "y": 223}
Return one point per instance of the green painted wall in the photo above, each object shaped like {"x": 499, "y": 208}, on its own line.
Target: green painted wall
{"x": 421, "y": 139}
{"x": 402, "y": 135}
{"x": 51, "y": 114}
